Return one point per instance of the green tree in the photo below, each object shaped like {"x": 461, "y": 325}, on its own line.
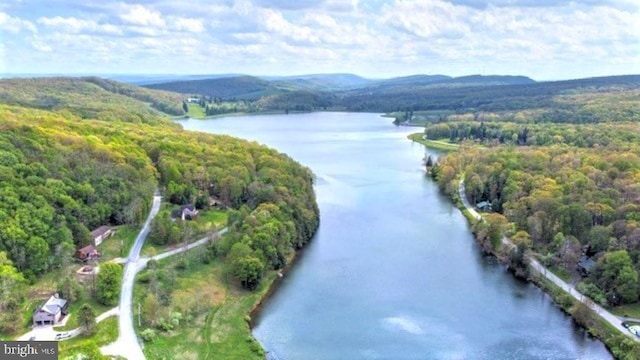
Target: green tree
{"x": 617, "y": 277}
{"x": 89, "y": 350}
{"x": 151, "y": 309}
{"x": 249, "y": 271}
{"x": 598, "y": 238}
{"x": 87, "y": 319}
{"x": 108, "y": 283}
{"x": 69, "y": 288}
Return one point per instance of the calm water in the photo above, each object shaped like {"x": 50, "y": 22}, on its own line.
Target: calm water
{"x": 393, "y": 272}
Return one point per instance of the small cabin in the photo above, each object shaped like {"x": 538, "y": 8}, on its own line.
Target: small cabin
{"x": 87, "y": 253}
{"x": 100, "y": 234}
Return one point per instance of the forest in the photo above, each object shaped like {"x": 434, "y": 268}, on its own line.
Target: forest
{"x": 71, "y": 164}
{"x": 516, "y": 99}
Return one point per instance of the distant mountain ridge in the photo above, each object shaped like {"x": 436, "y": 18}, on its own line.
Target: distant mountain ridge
{"x": 252, "y": 87}
{"x": 472, "y": 93}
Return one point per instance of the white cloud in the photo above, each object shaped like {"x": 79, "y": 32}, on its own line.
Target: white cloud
{"x": 41, "y": 46}
{"x": 376, "y": 38}
{"x": 76, "y": 26}
{"x": 14, "y": 24}
{"x": 187, "y": 24}
{"x": 140, "y": 15}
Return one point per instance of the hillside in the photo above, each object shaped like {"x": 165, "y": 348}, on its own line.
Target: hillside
{"x": 92, "y": 98}
{"x": 560, "y": 101}
{"x": 63, "y": 174}
{"x": 237, "y": 87}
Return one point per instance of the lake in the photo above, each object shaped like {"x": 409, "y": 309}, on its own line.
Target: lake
{"x": 393, "y": 272}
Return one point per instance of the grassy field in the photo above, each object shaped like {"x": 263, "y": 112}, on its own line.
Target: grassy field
{"x": 196, "y": 111}
{"x": 203, "y": 224}
{"x": 434, "y": 144}
{"x": 219, "y": 324}
{"x": 106, "y": 332}
{"x": 120, "y": 243}
{"x": 632, "y": 310}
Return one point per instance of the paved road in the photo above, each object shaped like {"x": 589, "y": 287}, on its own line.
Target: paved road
{"x": 127, "y": 344}
{"x": 535, "y": 265}
{"x": 182, "y": 249}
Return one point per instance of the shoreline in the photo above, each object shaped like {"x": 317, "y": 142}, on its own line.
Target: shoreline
{"x": 272, "y": 287}
{"x": 595, "y": 322}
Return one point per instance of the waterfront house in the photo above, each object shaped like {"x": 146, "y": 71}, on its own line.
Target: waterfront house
{"x": 585, "y": 265}
{"x": 484, "y": 206}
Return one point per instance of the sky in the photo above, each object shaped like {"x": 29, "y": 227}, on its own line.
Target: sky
{"x": 542, "y": 39}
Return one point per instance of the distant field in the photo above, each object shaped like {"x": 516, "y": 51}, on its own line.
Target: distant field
{"x": 195, "y": 111}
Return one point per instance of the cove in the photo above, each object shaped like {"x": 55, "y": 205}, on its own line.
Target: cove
{"x": 393, "y": 272}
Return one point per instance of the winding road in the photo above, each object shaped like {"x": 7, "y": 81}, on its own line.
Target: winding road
{"x": 536, "y": 266}
{"x": 127, "y": 344}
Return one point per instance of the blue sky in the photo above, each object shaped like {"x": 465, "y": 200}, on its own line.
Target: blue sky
{"x": 543, "y": 39}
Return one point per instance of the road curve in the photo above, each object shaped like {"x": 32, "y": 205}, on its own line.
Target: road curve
{"x": 535, "y": 265}
{"x": 127, "y": 344}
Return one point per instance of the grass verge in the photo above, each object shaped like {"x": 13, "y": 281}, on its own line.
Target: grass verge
{"x": 106, "y": 332}
{"x": 562, "y": 273}
{"x": 631, "y": 310}
{"x": 438, "y": 145}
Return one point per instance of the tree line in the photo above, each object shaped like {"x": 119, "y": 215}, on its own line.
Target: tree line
{"x": 562, "y": 202}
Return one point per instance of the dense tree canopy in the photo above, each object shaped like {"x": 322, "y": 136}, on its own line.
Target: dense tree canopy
{"x": 63, "y": 175}
{"x": 568, "y": 201}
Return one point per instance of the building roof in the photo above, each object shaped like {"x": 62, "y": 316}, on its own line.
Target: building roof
{"x": 586, "y": 262}
{"x": 88, "y": 250}
{"x": 53, "y": 305}
{"x": 100, "y": 231}
{"x": 482, "y": 204}
{"x": 184, "y": 209}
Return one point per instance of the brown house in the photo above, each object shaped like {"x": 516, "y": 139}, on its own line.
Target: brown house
{"x": 87, "y": 253}
{"x": 100, "y": 234}
{"x": 51, "y": 311}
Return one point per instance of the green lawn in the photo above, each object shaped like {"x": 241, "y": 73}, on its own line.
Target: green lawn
{"x": 219, "y": 328}
{"x": 106, "y": 332}
{"x": 196, "y": 111}
{"x": 434, "y": 144}
{"x": 120, "y": 243}
{"x": 631, "y": 310}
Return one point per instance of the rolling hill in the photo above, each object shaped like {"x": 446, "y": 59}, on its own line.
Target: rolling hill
{"x": 92, "y": 97}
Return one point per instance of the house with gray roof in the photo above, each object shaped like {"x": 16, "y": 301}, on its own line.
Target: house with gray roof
{"x": 51, "y": 311}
